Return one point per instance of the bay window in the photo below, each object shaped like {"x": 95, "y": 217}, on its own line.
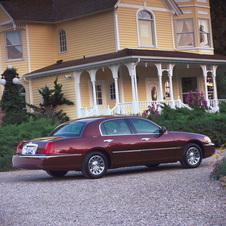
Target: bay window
{"x": 13, "y": 45}
{"x": 184, "y": 33}
{"x": 204, "y": 32}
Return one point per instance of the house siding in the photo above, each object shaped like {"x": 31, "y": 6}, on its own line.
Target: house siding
{"x": 88, "y": 36}
{"x": 42, "y": 43}
{"x": 67, "y": 89}
{"x": 128, "y": 30}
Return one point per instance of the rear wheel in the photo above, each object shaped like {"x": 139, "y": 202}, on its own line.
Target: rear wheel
{"x": 192, "y": 156}
{"x": 94, "y": 165}
{"x": 56, "y": 173}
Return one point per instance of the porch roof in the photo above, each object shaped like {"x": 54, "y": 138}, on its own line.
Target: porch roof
{"x": 126, "y": 56}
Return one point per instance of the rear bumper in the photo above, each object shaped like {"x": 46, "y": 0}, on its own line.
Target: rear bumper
{"x": 54, "y": 162}
{"x": 209, "y": 149}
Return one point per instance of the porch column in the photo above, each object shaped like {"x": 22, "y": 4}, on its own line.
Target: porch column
{"x": 159, "y": 68}
{"x": 92, "y": 74}
{"x": 204, "y": 70}
{"x": 215, "y": 87}
{"x": 170, "y": 75}
{"x": 132, "y": 72}
{"x": 114, "y": 70}
{"x": 78, "y": 93}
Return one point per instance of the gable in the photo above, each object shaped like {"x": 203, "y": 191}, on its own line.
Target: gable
{"x": 4, "y": 17}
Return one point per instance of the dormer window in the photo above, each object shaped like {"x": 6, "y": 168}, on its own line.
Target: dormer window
{"x": 62, "y": 41}
{"x": 146, "y": 28}
{"x": 14, "y": 49}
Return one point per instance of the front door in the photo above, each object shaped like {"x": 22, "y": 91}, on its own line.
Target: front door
{"x": 188, "y": 84}
{"x": 100, "y": 97}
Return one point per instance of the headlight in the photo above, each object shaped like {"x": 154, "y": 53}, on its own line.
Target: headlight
{"x": 207, "y": 140}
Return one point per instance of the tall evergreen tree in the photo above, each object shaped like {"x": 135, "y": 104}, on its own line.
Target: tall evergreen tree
{"x": 12, "y": 103}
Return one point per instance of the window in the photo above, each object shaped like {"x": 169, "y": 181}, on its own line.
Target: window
{"x": 184, "y": 33}
{"x": 204, "y": 33}
{"x": 69, "y": 129}
{"x": 22, "y": 93}
{"x": 146, "y": 28}
{"x": 43, "y": 90}
{"x": 99, "y": 94}
{"x": 167, "y": 89}
{"x": 112, "y": 91}
{"x": 144, "y": 127}
{"x": 14, "y": 50}
{"x": 115, "y": 127}
{"x": 62, "y": 41}
{"x": 210, "y": 86}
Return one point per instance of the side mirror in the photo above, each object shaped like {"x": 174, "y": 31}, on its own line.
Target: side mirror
{"x": 162, "y": 129}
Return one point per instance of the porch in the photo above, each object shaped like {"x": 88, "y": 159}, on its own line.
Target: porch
{"x": 128, "y": 81}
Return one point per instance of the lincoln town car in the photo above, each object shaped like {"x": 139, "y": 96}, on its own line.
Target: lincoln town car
{"x": 94, "y": 145}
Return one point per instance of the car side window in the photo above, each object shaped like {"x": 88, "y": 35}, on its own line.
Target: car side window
{"x": 144, "y": 127}
{"x": 115, "y": 127}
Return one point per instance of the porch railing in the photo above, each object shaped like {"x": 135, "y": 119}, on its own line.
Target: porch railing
{"x": 126, "y": 108}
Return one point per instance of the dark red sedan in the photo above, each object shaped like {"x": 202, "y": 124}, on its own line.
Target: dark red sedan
{"x": 93, "y": 145}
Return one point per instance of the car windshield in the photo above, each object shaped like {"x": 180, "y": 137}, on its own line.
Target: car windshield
{"x": 68, "y": 129}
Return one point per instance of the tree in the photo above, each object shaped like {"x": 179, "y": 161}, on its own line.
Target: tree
{"x": 218, "y": 19}
{"x": 12, "y": 102}
{"x": 51, "y": 99}
{"x": 54, "y": 97}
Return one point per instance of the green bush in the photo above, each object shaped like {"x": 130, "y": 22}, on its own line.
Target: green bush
{"x": 219, "y": 165}
{"x": 11, "y": 135}
{"x": 195, "y": 121}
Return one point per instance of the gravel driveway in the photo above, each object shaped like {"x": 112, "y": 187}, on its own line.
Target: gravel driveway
{"x": 169, "y": 195}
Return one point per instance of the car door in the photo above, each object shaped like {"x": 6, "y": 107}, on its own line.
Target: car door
{"x": 118, "y": 139}
{"x": 155, "y": 146}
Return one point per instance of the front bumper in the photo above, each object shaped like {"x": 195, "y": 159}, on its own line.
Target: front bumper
{"x": 48, "y": 162}
{"x": 209, "y": 149}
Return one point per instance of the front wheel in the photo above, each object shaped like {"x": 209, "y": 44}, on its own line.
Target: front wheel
{"x": 56, "y": 173}
{"x": 192, "y": 156}
{"x": 94, "y": 165}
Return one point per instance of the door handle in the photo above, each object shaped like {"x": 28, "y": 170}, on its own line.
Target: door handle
{"x": 108, "y": 141}
{"x": 145, "y": 139}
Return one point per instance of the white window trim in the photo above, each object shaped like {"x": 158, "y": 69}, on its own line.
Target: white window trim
{"x": 6, "y": 51}
{"x": 109, "y": 91}
{"x": 59, "y": 44}
{"x": 175, "y": 33}
{"x": 154, "y": 29}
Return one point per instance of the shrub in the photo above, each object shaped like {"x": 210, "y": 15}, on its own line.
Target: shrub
{"x": 196, "y": 100}
{"x": 219, "y": 165}
{"x": 222, "y": 107}
{"x": 195, "y": 121}
{"x": 11, "y": 135}
{"x": 151, "y": 111}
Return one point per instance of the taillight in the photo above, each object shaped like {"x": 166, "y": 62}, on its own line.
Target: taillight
{"x": 19, "y": 147}
{"x": 48, "y": 148}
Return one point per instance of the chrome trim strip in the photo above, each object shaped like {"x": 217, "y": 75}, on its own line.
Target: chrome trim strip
{"x": 144, "y": 150}
{"x": 45, "y": 156}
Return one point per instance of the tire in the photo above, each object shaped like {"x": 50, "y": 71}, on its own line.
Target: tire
{"x": 192, "y": 156}
{"x": 152, "y": 166}
{"x": 56, "y": 173}
{"x": 94, "y": 165}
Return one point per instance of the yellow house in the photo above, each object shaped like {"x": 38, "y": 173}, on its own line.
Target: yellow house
{"x": 111, "y": 56}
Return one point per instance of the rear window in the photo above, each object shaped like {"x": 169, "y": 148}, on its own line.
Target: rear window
{"x": 69, "y": 129}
